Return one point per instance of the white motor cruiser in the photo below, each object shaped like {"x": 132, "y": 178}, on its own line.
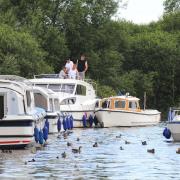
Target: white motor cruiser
{"x": 49, "y": 101}
{"x": 124, "y": 111}
{"x": 77, "y": 97}
{"x": 173, "y": 124}
{"x": 18, "y": 115}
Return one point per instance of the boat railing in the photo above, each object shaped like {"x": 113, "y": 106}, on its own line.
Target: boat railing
{"x": 90, "y": 81}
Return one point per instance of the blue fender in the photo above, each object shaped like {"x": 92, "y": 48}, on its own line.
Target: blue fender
{"x": 84, "y": 121}
{"x": 41, "y": 139}
{"x": 59, "y": 124}
{"x": 167, "y": 133}
{"x": 47, "y": 124}
{"x": 45, "y": 133}
{"x": 71, "y": 121}
{"x": 64, "y": 123}
{"x": 91, "y": 120}
{"x": 36, "y": 134}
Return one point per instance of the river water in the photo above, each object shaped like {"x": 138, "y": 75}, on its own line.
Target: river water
{"x": 107, "y": 161}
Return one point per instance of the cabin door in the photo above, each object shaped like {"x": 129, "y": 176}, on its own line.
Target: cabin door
{"x": 1, "y": 106}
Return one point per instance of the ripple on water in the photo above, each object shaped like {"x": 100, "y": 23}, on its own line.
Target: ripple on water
{"x": 106, "y": 161}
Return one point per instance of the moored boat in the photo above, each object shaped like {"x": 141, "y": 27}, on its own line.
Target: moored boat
{"x": 124, "y": 111}
{"x": 18, "y": 115}
{"x": 77, "y": 97}
{"x": 173, "y": 124}
{"x": 49, "y": 101}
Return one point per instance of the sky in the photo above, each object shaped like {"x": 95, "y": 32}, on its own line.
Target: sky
{"x": 141, "y": 11}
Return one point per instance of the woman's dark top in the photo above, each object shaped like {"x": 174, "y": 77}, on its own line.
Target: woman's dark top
{"x": 81, "y": 65}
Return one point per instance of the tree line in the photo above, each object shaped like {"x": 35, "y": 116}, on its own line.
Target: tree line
{"x": 37, "y": 36}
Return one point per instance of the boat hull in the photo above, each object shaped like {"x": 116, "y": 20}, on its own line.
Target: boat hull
{"x": 77, "y": 117}
{"x": 52, "y": 119}
{"x": 18, "y": 133}
{"x": 174, "y": 127}
{"x": 109, "y": 118}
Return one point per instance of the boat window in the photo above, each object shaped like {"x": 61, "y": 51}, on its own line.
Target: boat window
{"x": 81, "y": 90}
{"x": 1, "y": 107}
{"x": 41, "y": 85}
{"x": 56, "y": 104}
{"x": 50, "y": 104}
{"x": 119, "y": 104}
{"x": 68, "y": 101}
{"x": 55, "y": 87}
{"x": 40, "y": 101}
{"x": 28, "y": 98}
{"x": 67, "y": 88}
{"x": 104, "y": 104}
{"x": 97, "y": 104}
{"x": 132, "y": 105}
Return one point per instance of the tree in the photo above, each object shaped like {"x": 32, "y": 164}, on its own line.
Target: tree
{"x": 171, "y": 5}
{"x": 20, "y": 53}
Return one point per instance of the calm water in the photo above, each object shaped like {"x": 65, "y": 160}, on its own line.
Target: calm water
{"x": 106, "y": 161}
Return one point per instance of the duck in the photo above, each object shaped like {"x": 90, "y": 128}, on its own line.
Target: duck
{"x": 127, "y": 142}
{"x": 144, "y": 143}
{"x": 151, "y": 151}
{"x": 121, "y": 148}
{"x": 178, "y": 151}
{"x": 95, "y": 144}
{"x": 63, "y": 155}
{"x": 77, "y": 139}
{"x": 119, "y": 136}
{"x": 32, "y": 160}
{"x": 74, "y": 150}
{"x": 69, "y": 144}
{"x": 57, "y": 157}
{"x": 59, "y": 136}
{"x": 65, "y": 136}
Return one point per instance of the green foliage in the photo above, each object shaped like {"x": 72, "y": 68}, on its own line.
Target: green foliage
{"x": 105, "y": 91}
{"x": 20, "y": 53}
{"x": 172, "y": 5}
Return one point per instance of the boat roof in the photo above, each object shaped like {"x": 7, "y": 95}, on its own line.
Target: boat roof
{"x": 19, "y": 87}
{"x": 54, "y": 79}
{"x": 46, "y": 92}
{"x": 130, "y": 98}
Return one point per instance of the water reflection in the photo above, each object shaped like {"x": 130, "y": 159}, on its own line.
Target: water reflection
{"x": 106, "y": 161}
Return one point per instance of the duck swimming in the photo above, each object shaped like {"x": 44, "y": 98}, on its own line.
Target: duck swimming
{"x": 95, "y": 144}
{"x": 63, "y": 155}
{"x": 151, "y": 151}
{"x": 127, "y": 142}
{"x": 69, "y": 144}
{"x": 74, "y": 150}
{"x": 144, "y": 143}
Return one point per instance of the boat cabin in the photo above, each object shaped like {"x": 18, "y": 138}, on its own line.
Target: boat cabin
{"x": 127, "y": 103}
{"x": 46, "y": 99}
{"x": 82, "y": 90}
{"x": 16, "y": 98}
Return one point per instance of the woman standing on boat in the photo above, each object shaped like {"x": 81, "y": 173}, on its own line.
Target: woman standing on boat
{"x": 82, "y": 66}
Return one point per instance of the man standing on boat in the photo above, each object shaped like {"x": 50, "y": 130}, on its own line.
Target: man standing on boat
{"x": 82, "y": 66}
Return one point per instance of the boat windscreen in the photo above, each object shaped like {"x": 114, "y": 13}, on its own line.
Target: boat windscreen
{"x": 66, "y": 88}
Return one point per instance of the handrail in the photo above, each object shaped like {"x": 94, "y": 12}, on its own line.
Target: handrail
{"x": 90, "y": 81}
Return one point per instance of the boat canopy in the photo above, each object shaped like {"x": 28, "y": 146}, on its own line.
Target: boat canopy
{"x": 121, "y": 103}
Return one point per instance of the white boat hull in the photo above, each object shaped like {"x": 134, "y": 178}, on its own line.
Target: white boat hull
{"x": 174, "y": 127}
{"x": 19, "y": 132}
{"x": 77, "y": 116}
{"x": 52, "y": 119}
{"x": 117, "y": 118}
{"x": 77, "y": 111}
